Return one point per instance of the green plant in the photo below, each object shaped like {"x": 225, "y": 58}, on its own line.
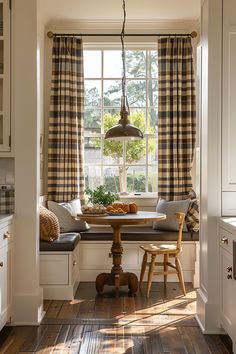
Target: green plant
{"x": 100, "y": 195}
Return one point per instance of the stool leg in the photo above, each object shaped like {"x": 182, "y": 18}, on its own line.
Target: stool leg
{"x": 180, "y": 274}
{"x": 150, "y": 274}
{"x": 143, "y": 268}
{"x": 165, "y": 268}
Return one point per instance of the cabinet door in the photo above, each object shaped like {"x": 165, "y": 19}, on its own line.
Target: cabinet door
{"x": 5, "y": 124}
{"x": 5, "y": 284}
{"x": 227, "y": 289}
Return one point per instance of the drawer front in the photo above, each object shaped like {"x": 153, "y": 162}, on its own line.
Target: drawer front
{"x": 6, "y": 235}
{"x": 226, "y": 239}
{"x": 54, "y": 269}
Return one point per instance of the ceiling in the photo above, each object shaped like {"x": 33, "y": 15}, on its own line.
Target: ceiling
{"x": 146, "y": 10}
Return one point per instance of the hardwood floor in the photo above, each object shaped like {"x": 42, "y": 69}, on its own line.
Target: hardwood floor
{"x": 91, "y": 324}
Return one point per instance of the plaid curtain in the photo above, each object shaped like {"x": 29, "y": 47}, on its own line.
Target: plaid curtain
{"x": 65, "y": 135}
{"x": 176, "y": 117}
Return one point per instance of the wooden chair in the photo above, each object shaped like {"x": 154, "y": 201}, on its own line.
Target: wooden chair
{"x": 167, "y": 251}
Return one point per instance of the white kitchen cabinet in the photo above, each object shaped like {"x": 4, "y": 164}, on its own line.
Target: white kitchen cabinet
{"x": 227, "y": 234}
{"x": 6, "y": 255}
{"x": 5, "y": 284}
{"x": 5, "y": 118}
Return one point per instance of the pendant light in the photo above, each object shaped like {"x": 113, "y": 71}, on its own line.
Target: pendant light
{"x": 124, "y": 130}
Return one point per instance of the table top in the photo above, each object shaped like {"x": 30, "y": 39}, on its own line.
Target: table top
{"x": 141, "y": 217}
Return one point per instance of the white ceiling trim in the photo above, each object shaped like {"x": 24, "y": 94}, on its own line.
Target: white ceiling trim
{"x": 147, "y": 26}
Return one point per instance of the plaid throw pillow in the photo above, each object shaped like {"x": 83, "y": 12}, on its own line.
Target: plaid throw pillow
{"x": 192, "y": 216}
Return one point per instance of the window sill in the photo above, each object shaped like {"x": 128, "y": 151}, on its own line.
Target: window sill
{"x": 139, "y": 196}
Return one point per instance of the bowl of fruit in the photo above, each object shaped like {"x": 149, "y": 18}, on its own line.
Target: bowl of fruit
{"x": 94, "y": 210}
{"x": 120, "y": 209}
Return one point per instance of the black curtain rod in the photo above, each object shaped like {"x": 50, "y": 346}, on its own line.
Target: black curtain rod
{"x": 192, "y": 34}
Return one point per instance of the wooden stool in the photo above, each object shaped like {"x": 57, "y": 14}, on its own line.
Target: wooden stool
{"x": 167, "y": 251}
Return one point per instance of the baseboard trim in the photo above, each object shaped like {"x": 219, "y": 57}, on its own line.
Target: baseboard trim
{"x": 27, "y": 309}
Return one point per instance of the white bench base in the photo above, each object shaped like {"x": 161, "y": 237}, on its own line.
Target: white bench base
{"x": 59, "y": 274}
{"x": 94, "y": 259}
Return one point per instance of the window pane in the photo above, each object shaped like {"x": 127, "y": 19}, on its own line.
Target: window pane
{"x": 152, "y": 178}
{"x": 112, "y": 181}
{"x": 92, "y": 92}
{"x": 113, "y": 152}
{"x": 152, "y": 120}
{"x": 113, "y": 111}
{"x": 92, "y": 150}
{"x": 152, "y": 151}
{"x": 136, "y": 152}
{"x": 112, "y": 92}
{"x": 92, "y": 176}
{"x": 136, "y": 179}
{"x": 135, "y": 63}
{"x": 152, "y": 93}
{"x": 92, "y": 120}
{"x": 92, "y": 63}
{"x": 136, "y": 93}
{"x": 152, "y": 64}
{"x": 137, "y": 118}
{"x": 112, "y": 64}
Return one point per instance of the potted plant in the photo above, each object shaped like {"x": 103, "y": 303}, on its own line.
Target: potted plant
{"x": 99, "y": 195}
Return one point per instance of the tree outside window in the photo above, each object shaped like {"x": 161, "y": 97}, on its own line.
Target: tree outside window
{"x": 120, "y": 166}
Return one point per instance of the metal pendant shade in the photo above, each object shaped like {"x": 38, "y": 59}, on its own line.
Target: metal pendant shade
{"x": 124, "y": 130}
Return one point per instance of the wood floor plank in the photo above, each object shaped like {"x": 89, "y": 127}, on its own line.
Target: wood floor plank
{"x": 172, "y": 341}
{"x": 16, "y": 338}
{"x": 93, "y": 324}
{"x": 197, "y": 339}
{"x": 49, "y": 339}
{"x": 54, "y": 309}
{"x": 60, "y": 345}
{"x": 32, "y": 342}
{"x": 74, "y": 339}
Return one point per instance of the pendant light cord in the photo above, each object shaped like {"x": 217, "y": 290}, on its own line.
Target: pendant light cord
{"x": 122, "y": 35}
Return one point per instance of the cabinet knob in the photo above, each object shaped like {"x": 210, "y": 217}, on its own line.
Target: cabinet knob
{"x": 6, "y": 235}
{"x": 1, "y": 264}
{"x": 110, "y": 255}
{"x": 224, "y": 240}
{"x": 74, "y": 263}
{"x": 229, "y": 269}
{"x": 229, "y": 276}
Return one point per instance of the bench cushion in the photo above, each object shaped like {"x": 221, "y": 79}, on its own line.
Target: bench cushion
{"x": 65, "y": 242}
{"x": 136, "y": 233}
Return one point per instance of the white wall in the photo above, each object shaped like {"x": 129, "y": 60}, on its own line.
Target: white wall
{"x": 112, "y": 9}
{"x": 210, "y": 201}
{"x": 27, "y": 295}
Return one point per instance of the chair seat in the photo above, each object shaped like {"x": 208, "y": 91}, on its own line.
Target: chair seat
{"x": 152, "y": 248}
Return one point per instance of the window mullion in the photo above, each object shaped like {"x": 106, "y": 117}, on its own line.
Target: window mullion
{"x": 102, "y": 120}
{"x": 146, "y": 126}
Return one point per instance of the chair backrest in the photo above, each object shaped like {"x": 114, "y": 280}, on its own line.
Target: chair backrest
{"x": 180, "y": 217}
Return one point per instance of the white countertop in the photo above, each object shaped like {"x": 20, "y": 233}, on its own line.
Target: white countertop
{"x": 229, "y": 222}
{"x": 5, "y": 217}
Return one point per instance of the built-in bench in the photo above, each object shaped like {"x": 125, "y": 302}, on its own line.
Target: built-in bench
{"x": 95, "y": 255}
{"x": 82, "y": 256}
{"x": 136, "y": 233}
{"x": 59, "y": 267}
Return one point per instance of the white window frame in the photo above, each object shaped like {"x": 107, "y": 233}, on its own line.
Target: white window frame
{"x": 111, "y": 46}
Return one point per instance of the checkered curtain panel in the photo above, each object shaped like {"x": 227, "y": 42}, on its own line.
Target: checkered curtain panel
{"x": 176, "y": 117}
{"x": 65, "y": 135}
